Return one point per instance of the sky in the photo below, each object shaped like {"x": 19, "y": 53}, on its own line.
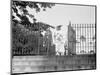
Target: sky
{"x": 62, "y": 14}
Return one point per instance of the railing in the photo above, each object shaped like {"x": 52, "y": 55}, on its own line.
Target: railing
{"x": 85, "y": 38}
{"x": 42, "y": 45}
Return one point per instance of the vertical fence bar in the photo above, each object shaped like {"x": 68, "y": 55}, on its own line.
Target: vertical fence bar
{"x": 75, "y": 37}
{"x": 85, "y": 36}
{"x": 47, "y": 42}
{"x": 80, "y": 35}
{"x": 38, "y": 40}
{"x": 95, "y": 37}
{"x": 90, "y": 37}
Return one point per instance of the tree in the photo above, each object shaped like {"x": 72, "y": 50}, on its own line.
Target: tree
{"x": 21, "y": 6}
{"x": 22, "y": 25}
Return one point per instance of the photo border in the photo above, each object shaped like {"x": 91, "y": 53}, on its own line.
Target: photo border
{"x": 11, "y": 56}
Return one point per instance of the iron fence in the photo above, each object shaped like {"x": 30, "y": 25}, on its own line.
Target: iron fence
{"x": 37, "y": 44}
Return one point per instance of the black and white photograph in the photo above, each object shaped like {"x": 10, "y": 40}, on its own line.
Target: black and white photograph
{"x": 52, "y": 37}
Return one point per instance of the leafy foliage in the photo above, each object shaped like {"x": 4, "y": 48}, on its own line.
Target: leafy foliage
{"x": 33, "y": 5}
{"x": 21, "y": 42}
